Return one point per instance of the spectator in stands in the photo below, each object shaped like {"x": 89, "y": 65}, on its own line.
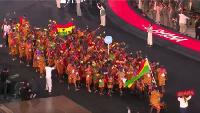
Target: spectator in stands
{"x": 180, "y": 5}
{"x": 145, "y": 6}
{"x": 190, "y": 5}
{"x": 197, "y": 28}
{"x": 175, "y": 24}
{"x": 183, "y": 22}
{"x": 154, "y": 10}
{"x": 158, "y": 13}
{"x": 165, "y": 14}
{"x": 78, "y": 8}
{"x": 184, "y": 103}
{"x": 140, "y": 4}
{"x": 161, "y": 14}
{"x": 151, "y": 10}
{"x": 58, "y": 4}
{"x": 170, "y": 17}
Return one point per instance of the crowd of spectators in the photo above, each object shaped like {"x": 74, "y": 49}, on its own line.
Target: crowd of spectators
{"x": 173, "y": 14}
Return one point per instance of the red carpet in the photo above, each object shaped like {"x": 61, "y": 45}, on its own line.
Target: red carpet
{"x": 122, "y": 9}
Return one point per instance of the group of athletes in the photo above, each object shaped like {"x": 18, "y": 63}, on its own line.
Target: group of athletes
{"x": 82, "y": 58}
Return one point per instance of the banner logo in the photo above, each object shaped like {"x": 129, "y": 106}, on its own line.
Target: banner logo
{"x": 167, "y": 35}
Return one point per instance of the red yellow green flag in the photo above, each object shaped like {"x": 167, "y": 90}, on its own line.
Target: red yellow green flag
{"x": 144, "y": 68}
{"x": 64, "y": 30}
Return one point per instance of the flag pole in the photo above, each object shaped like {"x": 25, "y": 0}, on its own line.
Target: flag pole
{"x": 151, "y": 72}
{"x": 108, "y": 48}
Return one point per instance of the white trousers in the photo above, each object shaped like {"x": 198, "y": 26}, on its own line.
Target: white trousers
{"x": 149, "y": 39}
{"x": 183, "y": 27}
{"x": 103, "y": 20}
{"x": 58, "y": 3}
{"x": 49, "y": 84}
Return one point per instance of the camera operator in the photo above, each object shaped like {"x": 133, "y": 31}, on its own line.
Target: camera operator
{"x": 34, "y": 87}
{"x": 25, "y": 91}
{"x": 4, "y": 76}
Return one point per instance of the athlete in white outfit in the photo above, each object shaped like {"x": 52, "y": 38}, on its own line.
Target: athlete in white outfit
{"x": 48, "y": 78}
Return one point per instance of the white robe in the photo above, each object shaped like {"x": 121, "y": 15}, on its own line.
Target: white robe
{"x": 48, "y": 78}
{"x": 149, "y": 38}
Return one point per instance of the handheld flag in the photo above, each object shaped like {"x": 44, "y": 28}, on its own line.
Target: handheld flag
{"x": 21, "y": 20}
{"x": 144, "y": 68}
{"x": 63, "y": 30}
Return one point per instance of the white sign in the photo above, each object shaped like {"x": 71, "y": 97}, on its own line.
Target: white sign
{"x": 63, "y": 1}
{"x": 108, "y": 39}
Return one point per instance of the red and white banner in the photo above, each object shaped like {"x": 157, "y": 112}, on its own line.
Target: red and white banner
{"x": 123, "y": 10}
{"x": 185, "y": 93}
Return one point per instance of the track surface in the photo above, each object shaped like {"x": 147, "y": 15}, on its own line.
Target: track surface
{"x": 183, "y": 72}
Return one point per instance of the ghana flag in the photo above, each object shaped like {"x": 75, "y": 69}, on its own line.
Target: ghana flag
{"x": 144, "y": 68}
{"x": 63, "y": 30}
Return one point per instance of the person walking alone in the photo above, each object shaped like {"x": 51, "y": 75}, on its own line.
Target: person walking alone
{"x": 149, "y": 38}
{"x": 197, "y": 28}
{"x": 48, "y": 70}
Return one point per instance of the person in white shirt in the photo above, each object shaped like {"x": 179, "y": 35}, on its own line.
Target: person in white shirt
{"x": 48, "y": 70}
{"x": 78, "y": 8}
{"x": 182, "y": 22}
{"x": 149, "y": 38}
{"x": 184, "y": 103}
{"x": 102, "y": 14}
{"x": 6, "y": 29}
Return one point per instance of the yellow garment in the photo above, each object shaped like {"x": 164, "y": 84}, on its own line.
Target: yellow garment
{"x": 195, "y": 22}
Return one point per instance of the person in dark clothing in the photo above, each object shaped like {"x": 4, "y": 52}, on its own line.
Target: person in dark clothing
{"x": 4, "y": 76}
{"x": 25, "y": 92}
{"x": 197, "y": 29}
{"x": 34, "y": 88}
